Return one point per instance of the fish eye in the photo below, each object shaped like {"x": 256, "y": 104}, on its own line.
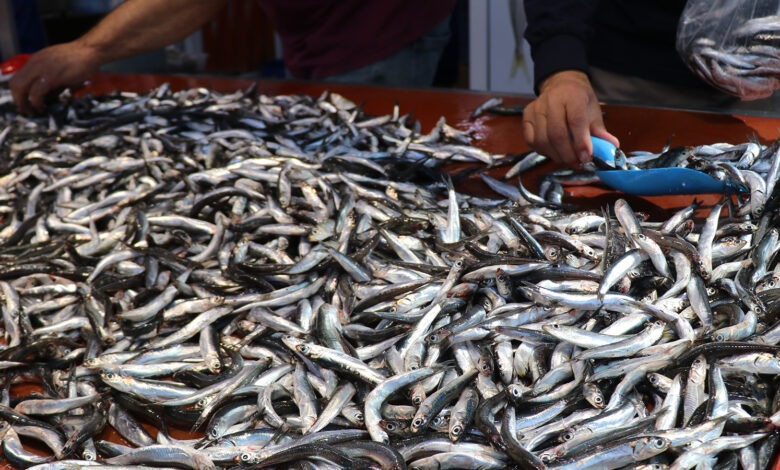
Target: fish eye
{"x": 640, "y": 236}
{"x": 418, "y": 422}
{"x": 414, "y": 367}
{"x": 110, "y": 376}
{"x": 456, "y": 430}
{"x": 214, "y": 433}
{"x": 659, "y": 442}
{"x": 303, "y": 348}
{"x": 433, "y": 338}
{"x": 568, "y": 436}
{"x": 390, "y": 426}
{"x": 359, "y": 416}
{"x": 597, "y": 399}
{"x": 719, "y": 338}
{"x": 555, "y": 326}
{"x": 416, "y": 400}
{"x": 245, "y": 457}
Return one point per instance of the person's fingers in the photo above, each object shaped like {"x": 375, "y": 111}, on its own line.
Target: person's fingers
{"x": 38, "y": 91}
{"x": 558, "y": 134}
{"x": 541, "y": 140}
{"x": 528, "y": 125}
{"x": 598, "y": 129}
{"x": 579, "y": 125}
{"x": 20, "y": 89}
{"x": 602, "y": 133}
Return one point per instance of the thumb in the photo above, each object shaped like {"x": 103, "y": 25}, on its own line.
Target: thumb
{"x": 597, "y": 129}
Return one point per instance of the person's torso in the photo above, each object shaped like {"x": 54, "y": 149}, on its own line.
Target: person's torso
{"x": 638, "y": 38}
{"x": 327, "y": 37}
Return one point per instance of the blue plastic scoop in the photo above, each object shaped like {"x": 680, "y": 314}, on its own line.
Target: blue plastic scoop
{"x": 657, "y": 181}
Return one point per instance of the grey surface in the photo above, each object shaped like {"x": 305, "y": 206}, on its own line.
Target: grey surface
{"x": 9, "y": 45}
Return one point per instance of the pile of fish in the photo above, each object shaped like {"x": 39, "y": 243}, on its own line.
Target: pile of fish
{"x": 297, "y": 283}
{"x": 739, "y": 58}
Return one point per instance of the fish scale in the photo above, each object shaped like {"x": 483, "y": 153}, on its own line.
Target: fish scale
{"x": 295, "y": 258}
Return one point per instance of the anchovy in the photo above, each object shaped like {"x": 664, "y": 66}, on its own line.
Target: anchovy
{"x": 302, "y": 281}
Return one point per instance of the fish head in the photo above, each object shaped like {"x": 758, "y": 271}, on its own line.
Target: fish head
{"x": 295, "y": 344}
{"x": 356, "y": 416}
{"x": 516, "y": 391}
{"x": 92, "y": 363}
{"x": 593, "y": 395}
{"x": 590, "y": 253}
{"x": 419, "y": 422}
{"x": 698, "y": 371}
{"x": 396, "y": 427}
{"x": 647, "y": 447}
{"x": 485, "y": 363}
{"x": 111, "y": 377}
{"x": 548, "y": 456}
{"x": 654, "y": 378}
{"x": 568, "y": 434}
{"x": 552, "y": 253}
{"x": 247, "y": 458}
{"x": 440, "y": 423}
{"x": 770, "y": 282}
{"x": 89, "y": 455}
{"x": 437, "y": 336}
{"x": 455, "y": 431}
{"x": 418, "y": 395}
{"x": 214, "y": 433}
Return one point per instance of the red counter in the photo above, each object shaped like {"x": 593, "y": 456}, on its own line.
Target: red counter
{"x": 637, "y": 129}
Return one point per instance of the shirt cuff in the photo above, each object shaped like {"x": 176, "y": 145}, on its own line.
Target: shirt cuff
{"x": 562, "y": 52}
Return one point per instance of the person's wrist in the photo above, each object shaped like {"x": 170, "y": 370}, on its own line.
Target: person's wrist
{"x": 92, "y": 54}
{"x": 565, "y": 75}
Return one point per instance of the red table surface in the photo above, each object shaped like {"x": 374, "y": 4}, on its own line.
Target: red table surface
{"x": 637, "y": 128}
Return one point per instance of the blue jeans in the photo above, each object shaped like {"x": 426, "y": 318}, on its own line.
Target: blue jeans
{"x": 414, "y": 65}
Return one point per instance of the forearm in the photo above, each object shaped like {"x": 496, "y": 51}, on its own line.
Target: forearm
{"x": 139, "y": 26}
{"x": 558, "y": 33}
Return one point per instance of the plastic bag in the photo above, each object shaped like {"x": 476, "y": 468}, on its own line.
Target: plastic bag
{"x": 734, "y": 45}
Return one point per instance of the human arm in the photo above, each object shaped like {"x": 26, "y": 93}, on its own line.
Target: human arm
{"x": 566, "y": 113}
{"x": 135, "y": 27}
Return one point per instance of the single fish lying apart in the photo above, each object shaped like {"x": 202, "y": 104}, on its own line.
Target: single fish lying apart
{"x": 295, "y": 279}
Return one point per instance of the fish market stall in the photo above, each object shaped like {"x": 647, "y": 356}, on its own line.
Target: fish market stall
{"x": 209, "y": 278}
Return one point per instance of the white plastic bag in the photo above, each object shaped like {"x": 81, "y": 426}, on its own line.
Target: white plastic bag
{"x": 734, "y": 45}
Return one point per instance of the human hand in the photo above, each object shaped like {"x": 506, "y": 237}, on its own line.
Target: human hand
{"x": 52, "y": 69}
{"x": 561, "y": 120}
